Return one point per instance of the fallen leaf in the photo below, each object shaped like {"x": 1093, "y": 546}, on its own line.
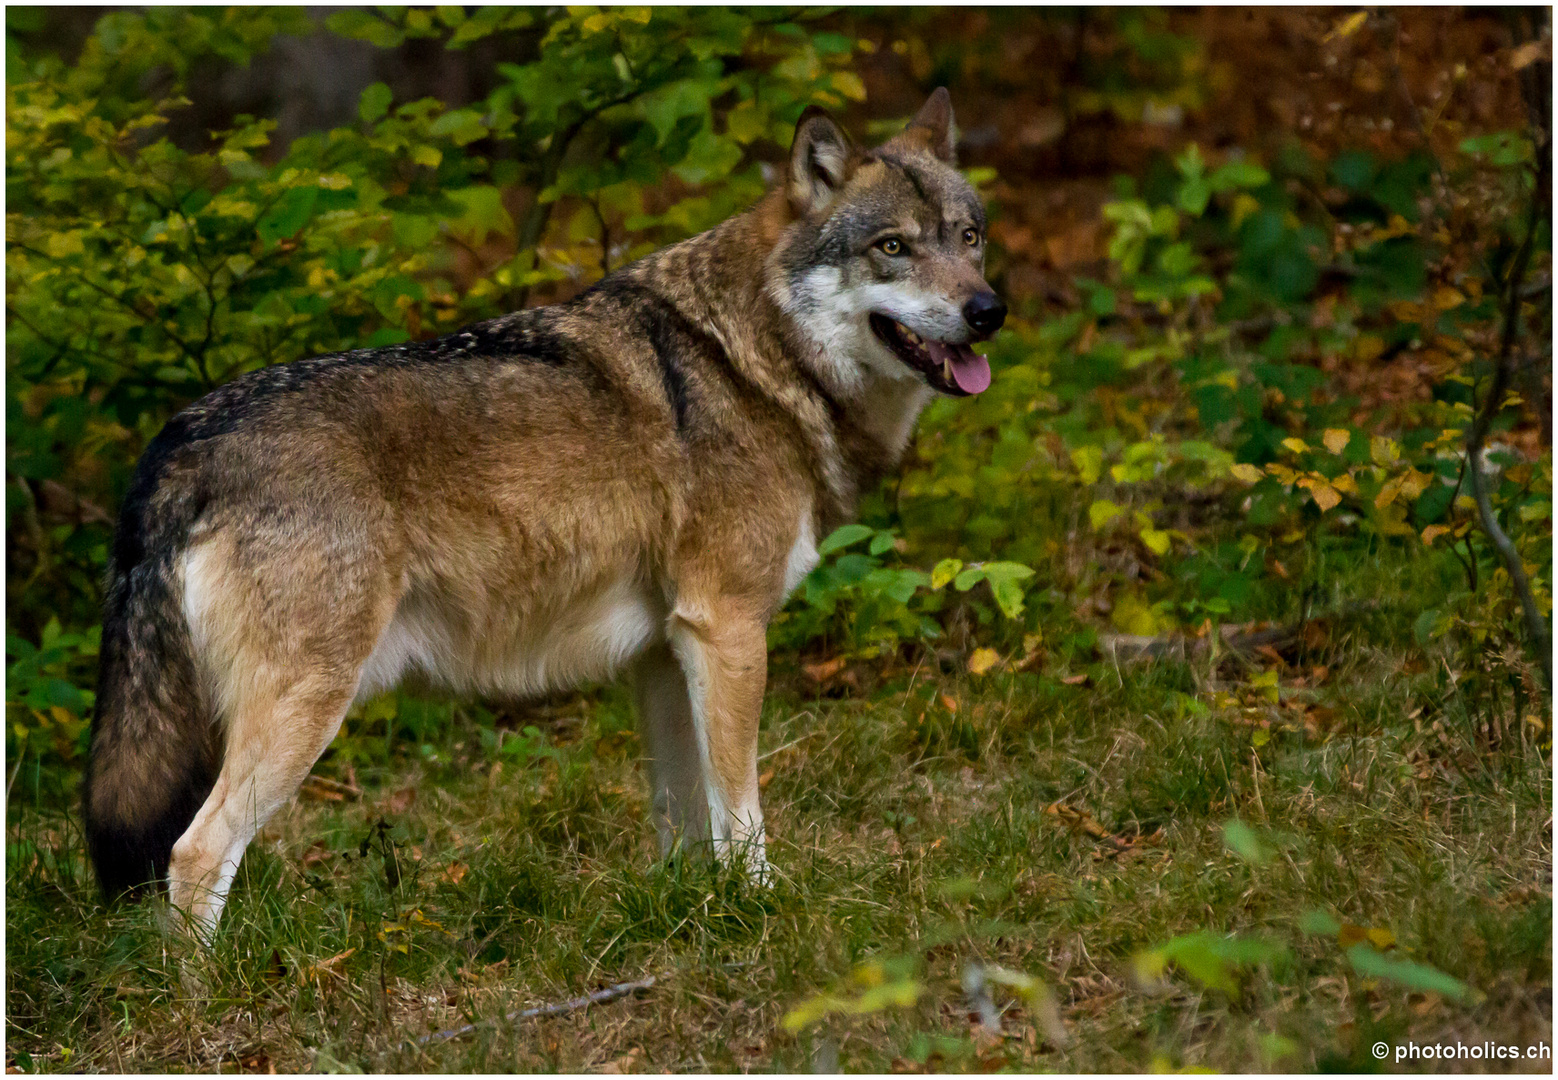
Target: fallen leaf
{"x": 1381, "y": 938}
{"x": 982, "y": 660}
{"x": 317, "y": 853}
{"x": 1077, "y": 680}
{"x": 1529, "y": 53}
{"x": 323, "y": 789}
{"x": 329, "y": 967}
{"x": 1033, "y": 653}
{"x": 401, "y": 801}
{"x": 455, "y": 872}
{"x": 1074, "y": 818}
{"x": 824, "y": 670}
{"x": 762, "y": 781}
{"x": 623, "y": 1064}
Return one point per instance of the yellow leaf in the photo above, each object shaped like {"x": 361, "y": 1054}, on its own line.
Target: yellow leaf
{"x": 1244, "y": 204}
{"x": 1414, "y": 483}
{"x": 1246, "y": 472}
{"x": 430, "y": 156}
{"x": 746, "y": 122}
{"x": 1368, "y": 347}
{"x": 61, "y": 244}
{"x": 1384, "y": 450}
{"x": 1324, "y": 494}
{"x": 1387, "y": 494}
{"x": 1102, "y": 512}
{"x": 1381, "y": 938}
{"x": 1089, "y": 461}
{"x": 1298, "y": 446}
{"x": 982, "y": 660}
{"x": 1336, "y": 439}
{"x": 1155, "y": 539}
{"x": 1433, "y": 532}
{"x": 945, "y": 571}
{"x": 1261, "y": 737}
{"x": 1446, "y": 298}
{"x": 849, "y": 84}
{"x": 1348, "y": 26}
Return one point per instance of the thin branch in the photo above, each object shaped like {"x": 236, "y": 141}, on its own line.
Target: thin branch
{"x": 610, "y": 993}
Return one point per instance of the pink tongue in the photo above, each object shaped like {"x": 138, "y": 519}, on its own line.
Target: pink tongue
{"x": 970, "y": 370}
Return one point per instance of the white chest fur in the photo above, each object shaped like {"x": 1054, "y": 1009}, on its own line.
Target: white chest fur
{"x": 803, "y": 553}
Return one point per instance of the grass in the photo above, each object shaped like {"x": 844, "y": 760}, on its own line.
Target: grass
{"x": 911, "y": 821}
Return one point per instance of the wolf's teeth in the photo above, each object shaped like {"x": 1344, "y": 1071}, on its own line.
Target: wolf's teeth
{"x": 946, "y": 370}
{"x": 911, "y": 337}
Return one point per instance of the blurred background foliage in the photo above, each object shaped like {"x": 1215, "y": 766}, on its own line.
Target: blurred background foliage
{"x": 1260, "y": 266}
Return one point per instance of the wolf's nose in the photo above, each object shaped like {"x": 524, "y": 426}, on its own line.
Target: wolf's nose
{"x": 985, "y": 313}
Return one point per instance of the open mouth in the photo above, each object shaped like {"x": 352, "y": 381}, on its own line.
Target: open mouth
{"x": 952, "y": 369}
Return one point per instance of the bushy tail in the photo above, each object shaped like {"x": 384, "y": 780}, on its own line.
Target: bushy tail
{"x": 155, "y": 749}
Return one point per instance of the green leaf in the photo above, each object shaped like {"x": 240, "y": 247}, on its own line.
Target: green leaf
{"x": 1423, "y": 626}
{"x": 843, "y": 537}
{"x": 1367, "y": 961}
{"x": 290, "y": 214}
{"x": 365, "y": 26}
{"x": 1239, "y": 174}
{"x": 460, "y": 125}
{"x": 374, "y": 102}
{"x": 1208, "y": 958}
{"x": 968, "y": 578}
{"x": 1319, "y": 922}
{"x": 1243, "y": 842}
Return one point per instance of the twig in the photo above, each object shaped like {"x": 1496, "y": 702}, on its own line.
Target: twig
{"x": 1536, "y": 626}
{"x": 610, "y": 993}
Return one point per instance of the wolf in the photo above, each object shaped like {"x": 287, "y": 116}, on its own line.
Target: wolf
{"x": 633, "y": 479}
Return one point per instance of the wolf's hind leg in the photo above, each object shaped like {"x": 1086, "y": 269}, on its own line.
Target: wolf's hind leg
{"x": 723, "y": 652}
{"x": 272, "y": 743}
{"x": 281, "y": 639}
{"x": 675, "y": 766}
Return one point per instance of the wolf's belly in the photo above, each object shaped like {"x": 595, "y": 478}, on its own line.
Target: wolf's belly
{"x": 584, "y": 638}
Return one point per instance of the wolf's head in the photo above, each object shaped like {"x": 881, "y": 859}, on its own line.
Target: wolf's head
{"x": 882, "y": 269}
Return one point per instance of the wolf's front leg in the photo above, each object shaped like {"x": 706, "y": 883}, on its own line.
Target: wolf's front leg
{"x": 723, "y": 651}
{"x": 675, "y": 762}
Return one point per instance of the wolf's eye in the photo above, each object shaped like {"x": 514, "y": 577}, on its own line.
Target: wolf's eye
{"x": 891, "y": 246}
{"x": 971, "y": 237}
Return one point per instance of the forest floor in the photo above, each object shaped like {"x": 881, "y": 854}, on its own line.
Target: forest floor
{"x": 1057, "y": 824}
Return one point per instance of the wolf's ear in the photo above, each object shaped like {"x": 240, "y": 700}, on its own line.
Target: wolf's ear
{"x": 932, "y": 126}
{"x": 821, "y": 159}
